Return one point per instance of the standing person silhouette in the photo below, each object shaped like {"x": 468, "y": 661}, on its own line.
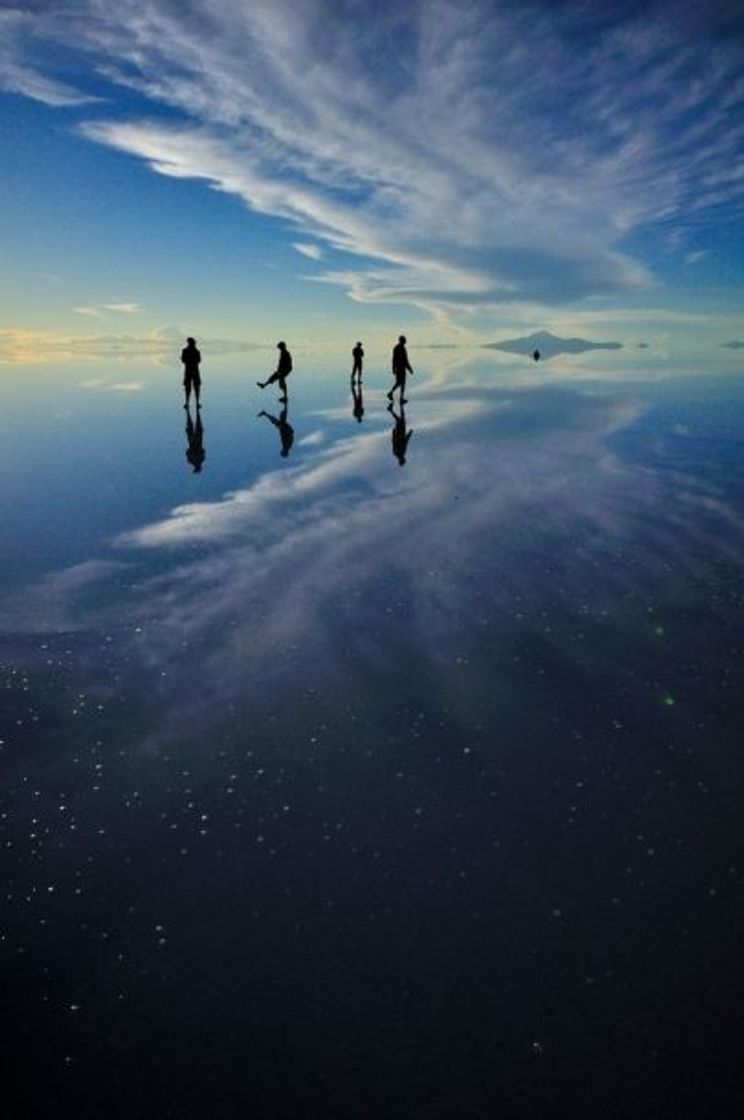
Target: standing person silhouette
{"x": 401, "y": 366}
{"x": 357, "y": 354}
{"x": 191, "y": 357}
{"x": 281, "y": 373}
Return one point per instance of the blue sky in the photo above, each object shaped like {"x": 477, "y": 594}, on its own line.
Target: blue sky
{"x": 465, "y": 171}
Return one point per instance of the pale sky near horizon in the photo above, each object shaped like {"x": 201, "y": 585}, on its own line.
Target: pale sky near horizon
{"x": 331, "y": 170}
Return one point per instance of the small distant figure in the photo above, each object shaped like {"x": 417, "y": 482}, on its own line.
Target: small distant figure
{"x": 401, "y": 366}
{"x": 357, "y": 410}
{"x": 195, "y": 453}
{"x": 286, "y": 431}
{"x": 358, "y": 355}
{"x": 191, "y": 357}
{"x": 536, "y": 355}
{"x": 281, "y": 373}
{"x": 400, "y": 436}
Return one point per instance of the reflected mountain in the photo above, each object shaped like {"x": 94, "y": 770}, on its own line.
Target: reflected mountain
{"x": 195, "y": 453}
{"x": 548, "y": 345}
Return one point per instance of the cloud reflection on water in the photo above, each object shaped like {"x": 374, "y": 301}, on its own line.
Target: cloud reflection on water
{"x": 518, "y": 519}
{"x": 530, "y": 526}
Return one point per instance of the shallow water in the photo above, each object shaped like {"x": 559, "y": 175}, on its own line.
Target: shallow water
{"x": 339, "y": 786}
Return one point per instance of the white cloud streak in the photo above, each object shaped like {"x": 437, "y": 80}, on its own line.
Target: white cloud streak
{"x": 28, "y": 80}
{"x": 308, "y": 249}
{"x": 464, "y": 155}
{"x": 99, "y": 310}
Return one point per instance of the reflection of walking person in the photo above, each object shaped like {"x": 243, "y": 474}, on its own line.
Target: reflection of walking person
{"x": 282, "y": 371}
{"x": 286, "y": 431}
{"x": 357, "y": 354}
{"x": 357, "y": 410}
{"x": 399, "y": 435}
{"x": 401, "y": 366}
{"x": 191, "y": 357}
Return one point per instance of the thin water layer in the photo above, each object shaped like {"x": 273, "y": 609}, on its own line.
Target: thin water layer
{"x": 355, "y": 755}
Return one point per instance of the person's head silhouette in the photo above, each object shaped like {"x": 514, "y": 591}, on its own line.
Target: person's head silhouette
{"x": 402, "y": 338}
{"x": 191, "y": 341}
{"x": 281, "y": 346}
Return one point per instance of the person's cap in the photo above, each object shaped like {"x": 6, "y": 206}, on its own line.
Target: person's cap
{"x": 401, "y": 338}
{"x": 280, "y": 345}
{"x": 191, "y": 340}
{"x": 359, "y": 344}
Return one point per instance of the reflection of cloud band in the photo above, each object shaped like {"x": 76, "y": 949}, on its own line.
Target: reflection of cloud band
{"x": 337, "y": 527}
{"x": 45, "y": 346}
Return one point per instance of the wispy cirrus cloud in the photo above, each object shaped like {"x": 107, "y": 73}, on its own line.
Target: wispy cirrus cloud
{"x": 462, "y": 157}
{"x": 18, "y": 29}
{"x": 308, "y": 249}
{"x": 99, "y": 310}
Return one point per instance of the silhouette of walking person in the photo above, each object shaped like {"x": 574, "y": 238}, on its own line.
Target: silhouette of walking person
{"x": 357, "y": 399}
{"x": 281, "y": 373}
{"x": 286, "y": 431}
{"x": 195, "y": 453}
{"x": 401, "y": 366}
{"x": 191, "y": 357}
{"x": 400, "y": 436}
{"x": 358, "y": 355}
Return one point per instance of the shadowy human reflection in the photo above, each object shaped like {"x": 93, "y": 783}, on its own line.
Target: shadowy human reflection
{"x": 357, "y": 397}
{"x": 285, "y": 429}
{"x": 400, "y": 436}
{"x": 195, "y": 453}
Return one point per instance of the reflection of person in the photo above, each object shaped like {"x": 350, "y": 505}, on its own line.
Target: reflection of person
{"x": 282, "y": 371}
{"x": 357, "y": 354}
{"x": 286, "y": 431}
{"x": 191, "y": 357}
{"x": 357, "y": 398}
{"x": 400, "y": 436}
{"x": 401, "y": 366}
{"x": 195, "y": 453}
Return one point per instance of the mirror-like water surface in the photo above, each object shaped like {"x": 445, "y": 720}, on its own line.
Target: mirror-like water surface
{"x": 341, "y": 785}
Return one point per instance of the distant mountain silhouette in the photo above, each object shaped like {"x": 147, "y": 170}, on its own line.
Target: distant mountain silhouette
{"x": 549, "y": 345}
{"x": 736, "y": 344}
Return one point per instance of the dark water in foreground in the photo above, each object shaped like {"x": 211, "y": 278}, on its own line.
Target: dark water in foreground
{"x": 339, "y": 788}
